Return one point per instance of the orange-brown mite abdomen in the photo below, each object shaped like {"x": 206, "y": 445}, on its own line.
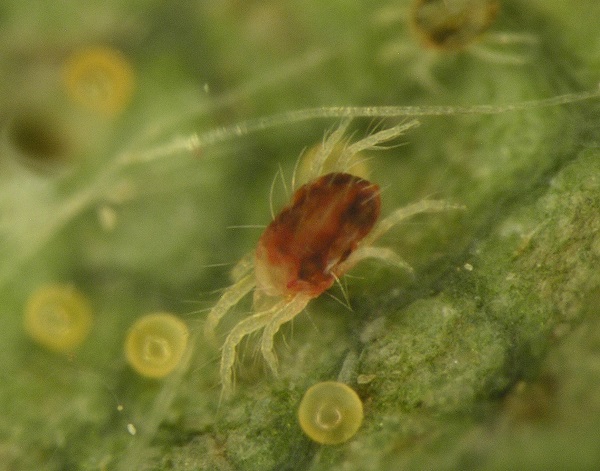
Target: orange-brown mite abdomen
{"x": 302, "y": 247}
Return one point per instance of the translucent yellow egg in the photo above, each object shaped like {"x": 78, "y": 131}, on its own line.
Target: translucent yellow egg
{"x": 58, "y": 317}
{"x": 156, "y": 344}
{"x": 100, "y": 79}
{"x": 330, "y": 413}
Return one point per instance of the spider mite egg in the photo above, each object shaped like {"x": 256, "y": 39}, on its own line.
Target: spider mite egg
{"x": 155, "y": 344}
{"x": 58, "y": 317}
{"x": 330, "y": 413}
{"x": 452, "y": 24}
{"x": 100, "y": 79}
{"x": 301, "y": 248}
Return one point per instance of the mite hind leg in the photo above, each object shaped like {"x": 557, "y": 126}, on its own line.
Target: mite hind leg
{"x": 287, "y": 313}
{"x": 228, "y": 351}
{"x": 230, "y": 298}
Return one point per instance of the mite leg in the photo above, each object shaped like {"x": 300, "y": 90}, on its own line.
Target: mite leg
{"x": 230, "y": 298}
{"x": 425, "y": 206}
{"x": 318, "y": 161}
{"x": 373, "y": 141}
{"x": 383, "y": 254}
{"x": 287, "y": 313}
{"x": 240, "y": 330}
{"x": 242, "y": 267}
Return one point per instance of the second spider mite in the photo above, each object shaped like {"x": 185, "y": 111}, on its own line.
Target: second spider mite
{"x": 328, "y": 227}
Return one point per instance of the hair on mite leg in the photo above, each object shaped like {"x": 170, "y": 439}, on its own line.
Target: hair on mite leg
{"x": 348, "y": 151}
{"x": 243, "y": 328}
{"x": 328, "y": 227}
{"x": 318, "y": 162}
{"x": 286, "y": 314}
{"x": 344, "y": 290}
{"x": 272, "y": 189}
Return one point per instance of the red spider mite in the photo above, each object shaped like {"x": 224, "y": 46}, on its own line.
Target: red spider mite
{"x": 301, "y": 250}
{"x": 328, "y": 227}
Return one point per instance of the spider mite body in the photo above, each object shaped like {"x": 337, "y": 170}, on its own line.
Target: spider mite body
{"x": 445, "y": 30}
{"x": 454, "y": 25}
{"x": 301, "y": 250}
{"x": 329, "y": 226}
